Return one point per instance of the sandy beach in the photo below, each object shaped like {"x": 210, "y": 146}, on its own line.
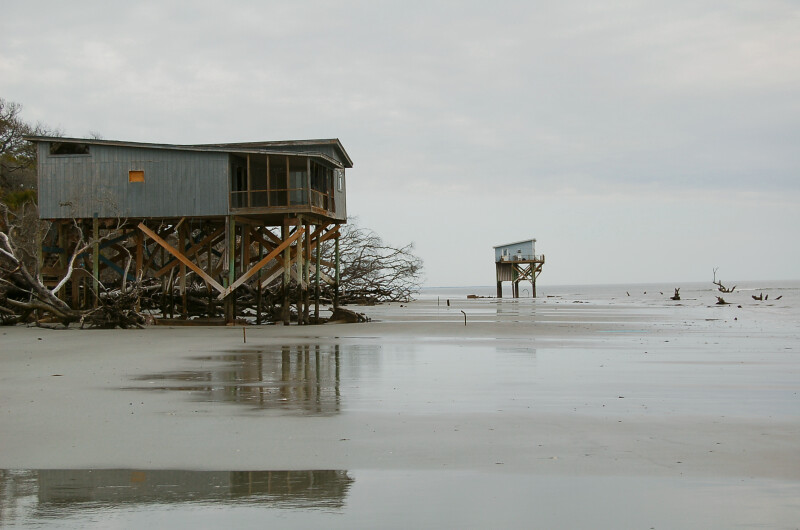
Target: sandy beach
{"x": 560, "y": 412}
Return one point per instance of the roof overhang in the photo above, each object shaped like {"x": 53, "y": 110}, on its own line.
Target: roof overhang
{"x": 516, "y": 243}
{"x": 272, "y": 148}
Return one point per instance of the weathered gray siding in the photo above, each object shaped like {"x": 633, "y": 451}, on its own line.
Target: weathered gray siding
{"x": 176, "y": 183}
{"x": 523, "y": 249}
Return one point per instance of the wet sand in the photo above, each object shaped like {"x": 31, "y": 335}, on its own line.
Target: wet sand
{"x": 603, "y": 400}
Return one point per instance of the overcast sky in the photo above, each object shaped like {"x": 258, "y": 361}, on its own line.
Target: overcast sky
{"x": 637, "y": 141}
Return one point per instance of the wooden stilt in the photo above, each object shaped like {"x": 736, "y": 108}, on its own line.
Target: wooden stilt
{"x": 285, "y": 283}
{"x": 336, "y": 278}
{"x": 210, "y": 272}
{"x": 76, "y": 290}
{"x": 182, "y": 246}
{"x": 96, "y": 258}
{"x": 301, "y": 283}
{"x": 139, "y": 274}
{"x": 307, "y": 274}
{"x": 316, "y": 282}
{"x": 62, "y": 260}
{"x": 260, "y": 248}
{"x": 164, "y": 282}
{"x": 230, "y": 310}
{"x": 139, "y": 254}
{"x": 245, "y": 261}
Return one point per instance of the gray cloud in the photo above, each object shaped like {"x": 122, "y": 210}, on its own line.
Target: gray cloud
{"x": 437, "y": 97}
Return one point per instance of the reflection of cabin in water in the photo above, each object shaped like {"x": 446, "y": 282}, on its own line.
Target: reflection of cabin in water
{"x": 270, "y": 205}
{"x": 300, "y": 489}
{"x": 299, "y": 379}
{"x": 516, "y": 262}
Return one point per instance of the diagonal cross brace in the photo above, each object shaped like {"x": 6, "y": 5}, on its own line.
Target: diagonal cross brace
{"x": 186, "y": 261}
{"x": 266, "y": 259}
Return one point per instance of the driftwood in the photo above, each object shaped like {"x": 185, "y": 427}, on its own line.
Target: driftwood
{"x": 345, "y": 315}
{"x": 677, "y": 295}
{"x": 371, "y": 272}
{"x": 721, "y": 288}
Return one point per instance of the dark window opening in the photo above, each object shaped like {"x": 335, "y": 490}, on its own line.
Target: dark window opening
{"x": 63, "y": 148}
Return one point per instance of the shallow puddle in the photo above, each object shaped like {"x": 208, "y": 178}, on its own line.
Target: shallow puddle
{"x": 304, "y": 379}
{"x": 126, "y": 498}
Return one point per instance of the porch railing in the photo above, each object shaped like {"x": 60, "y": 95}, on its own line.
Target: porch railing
{"x": 522, "y": 257}
{"x": 278, "y": 198}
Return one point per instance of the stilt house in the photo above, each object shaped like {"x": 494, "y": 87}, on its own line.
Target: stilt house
{"x": 172, "y": 207}
{"x": 516, "y": 262}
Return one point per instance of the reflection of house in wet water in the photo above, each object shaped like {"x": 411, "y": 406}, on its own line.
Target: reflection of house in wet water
{"x": 300, "y": 379}
{"x": 61, "y": 492}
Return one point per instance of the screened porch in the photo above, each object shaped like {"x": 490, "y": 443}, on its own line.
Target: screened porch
{"x": 276, "y": 182}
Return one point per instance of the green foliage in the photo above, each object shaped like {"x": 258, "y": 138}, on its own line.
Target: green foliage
{"x": 16, "y": 199}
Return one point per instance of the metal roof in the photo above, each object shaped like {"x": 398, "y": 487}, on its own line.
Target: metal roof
{"x": 288, "y": 143}
{"x": 272, "y": 148}
{"x": 515, "y": 243}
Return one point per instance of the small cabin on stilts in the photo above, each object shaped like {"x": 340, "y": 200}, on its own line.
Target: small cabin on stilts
{"x": 517, "y": 262}
{"x": 232, "y": 216}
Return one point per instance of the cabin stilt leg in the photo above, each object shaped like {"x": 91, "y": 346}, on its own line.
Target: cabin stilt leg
{"x": 62, "y": 256}
{"x": 287, "y": 263}
{"x": 210, "y": 272}
{"x": 316, "y": 282}
{"x": 258, "y": 283}
{"x": 336, "y": 278}
{"x": 307, "y": 274}
{"x": 184, "y": 296}
{"x": 96, "y": 258}
{"x": 300, "y": 280}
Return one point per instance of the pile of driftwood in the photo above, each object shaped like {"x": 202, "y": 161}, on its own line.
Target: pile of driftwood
{"x": 23, "y": 299}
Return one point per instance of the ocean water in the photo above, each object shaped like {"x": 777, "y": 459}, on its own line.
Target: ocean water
{"x": 629, "y": 292}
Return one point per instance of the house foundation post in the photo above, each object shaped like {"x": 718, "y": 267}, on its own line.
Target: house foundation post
{"x": 336, "y": 278}
{"x": 287, "y": 263}
{"x": 96, "y": 258}
{"x": 316, "y": 279}
{"x": 301, "y": 282}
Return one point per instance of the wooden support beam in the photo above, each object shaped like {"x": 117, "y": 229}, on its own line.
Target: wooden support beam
{"x": 96, "y": 257}
{"x": 286, "y": 266}
{"x": 212, "y": 239}
{"x": 318, "y": 246}
{"x": 182, "y": 236}
{"x": 231, "y": 251}
{"x": 277, "y": 270}
{"x": 334, "y": 232}
{"x": 255, "y": 268}
{"x": 249, "y": 182}
{"x": 301, "y": 273}
{"x": 307, "y": 273}
{"x": 272, "y": 274}
{"x": 272, "y": 237}
{"x": 166, "y": 246}
{"x": 245, "y": 262}
{"x": 336, "y": 282}
{"x": 62, "y": 260}
{"x": 139, "y": 254}
{"x": 260, "y": 251}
